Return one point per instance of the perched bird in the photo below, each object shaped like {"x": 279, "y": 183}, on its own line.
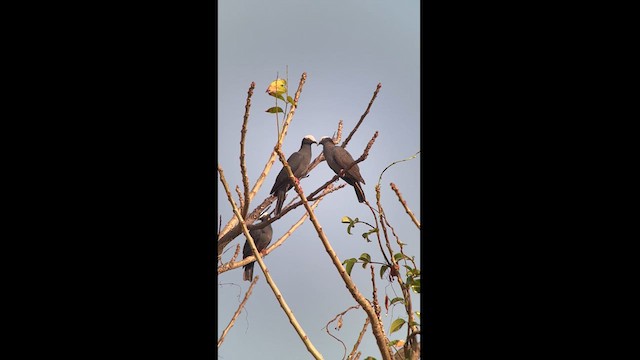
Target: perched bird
{"x": 298, "y": 161}
{"x": 262, "y": 238}
{"x": 338, "y": 159}
{"x": 277, "y": 87}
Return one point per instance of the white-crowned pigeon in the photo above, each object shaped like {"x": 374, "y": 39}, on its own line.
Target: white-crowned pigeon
{"x": 298, "y": 161}
{"x": 262, "y": 238}
{"x": 338, "y": 159}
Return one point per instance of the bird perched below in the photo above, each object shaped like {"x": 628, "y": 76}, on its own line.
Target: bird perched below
{"x": 262, "y": 238}
{"x": 277, "y": 87}
{"x": 338, "y": 159}
{"x": 298, "y": 161}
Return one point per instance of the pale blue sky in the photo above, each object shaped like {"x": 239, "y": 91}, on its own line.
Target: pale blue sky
{"x": 346, "y": 48}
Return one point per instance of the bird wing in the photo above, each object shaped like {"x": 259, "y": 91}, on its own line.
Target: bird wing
{"x": 282, "y": 180}
{"x": 342, "y": 157}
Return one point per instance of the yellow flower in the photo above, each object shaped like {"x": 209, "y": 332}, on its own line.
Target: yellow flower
{"x": 277, "y": 87}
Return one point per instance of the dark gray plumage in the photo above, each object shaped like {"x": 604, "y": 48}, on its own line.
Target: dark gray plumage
{"x": 338, "y": 158}
{"x": 298, "y": 161}
{"x": 262, "y": 238}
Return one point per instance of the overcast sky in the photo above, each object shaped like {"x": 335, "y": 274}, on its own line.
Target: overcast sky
{"x": 346, "y": 48}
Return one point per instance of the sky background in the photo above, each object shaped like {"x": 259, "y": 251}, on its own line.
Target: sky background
{"x": 346, "y": 48}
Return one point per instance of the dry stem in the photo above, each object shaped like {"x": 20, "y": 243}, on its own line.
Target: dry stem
{"x": 404, "y": 203}
{"x": 243, "y": 165}
{"x": 375, "y": 93}
{"x": 355, "y": 346}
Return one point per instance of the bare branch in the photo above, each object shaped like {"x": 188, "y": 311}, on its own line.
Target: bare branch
{"x": 376, "y": 305}
{"x": 239, "y": 196}
{"x": 243, "y": 165}
{"x": 404, "y": 204}
{"x": 235, "y": 315}
{"x": 355, "y": 346}
{"x": 235, "y": 255}
{"x": 340, "y": 316}
{"x": 272, "y": 284}
{"x": 375, "y": 93}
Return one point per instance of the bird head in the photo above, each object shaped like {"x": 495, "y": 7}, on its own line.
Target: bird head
{"x": 309, "y": 139}
{"x": 325, "y": 139}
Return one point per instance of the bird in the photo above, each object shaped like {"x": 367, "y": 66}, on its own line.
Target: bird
{"x": 338, "y": 159}
{"x": 262, "y": 238}
{"x": 298, "y": 161}
{"x": 277, "y": 87}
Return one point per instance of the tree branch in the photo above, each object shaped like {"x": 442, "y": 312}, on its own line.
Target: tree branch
{"x": 375, "y": 93}
{"x": 243, "y": 165}
{"x": 340, "y": 326}
{"x": 404, "y": 204}
{"x": 355, "y": 346}
{"x": 235, "y": 315}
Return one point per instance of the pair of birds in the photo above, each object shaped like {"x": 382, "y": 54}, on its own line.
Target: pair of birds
{"x": 338, "y": 160}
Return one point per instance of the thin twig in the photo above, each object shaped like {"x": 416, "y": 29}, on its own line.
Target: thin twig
{"x": 272, "y": 284}
{"x": 235, "y": 255}
{"x": 235, "y": 315}
{"x": 243, "y": 165}
{"x": 376, "y": 305}
{"x": 378, "y": 330}
{"x": 340, "y": 316}
{"x": 404, "y": 204}
{"x": 239, "y": 196}
{"x": 375, "y": 93}
{"x": 355, "y": 346}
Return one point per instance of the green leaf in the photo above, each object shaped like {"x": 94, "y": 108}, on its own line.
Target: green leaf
{"x": 366, "y": 235}
{"x": 290, "y": 100}
{"x": 399, "y": 256}
{"x": 393, "y": 342}
{"x": 279, "y": 96}
{"x": 411, "y": 271}
{"x": 346, "y": 220}
{"x": 413, "y": 323}
{"x": 349, "y": 263}
{"x": 418, "y": 313}
{"x": 365, "y": 257}
{"x": 275, "y": 109}
{"x": 383, "y": 268}
{"x": 397, "y": 299}
{"x": 415, "y": 285}
{"x": 396, "y": 325}
{"x": 370, "y": 358}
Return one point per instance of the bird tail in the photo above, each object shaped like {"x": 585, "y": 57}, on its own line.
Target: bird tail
{"x": 359, "y": 191}
{"x": 248, "y": 272}
{"x": 279, "y": 202}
